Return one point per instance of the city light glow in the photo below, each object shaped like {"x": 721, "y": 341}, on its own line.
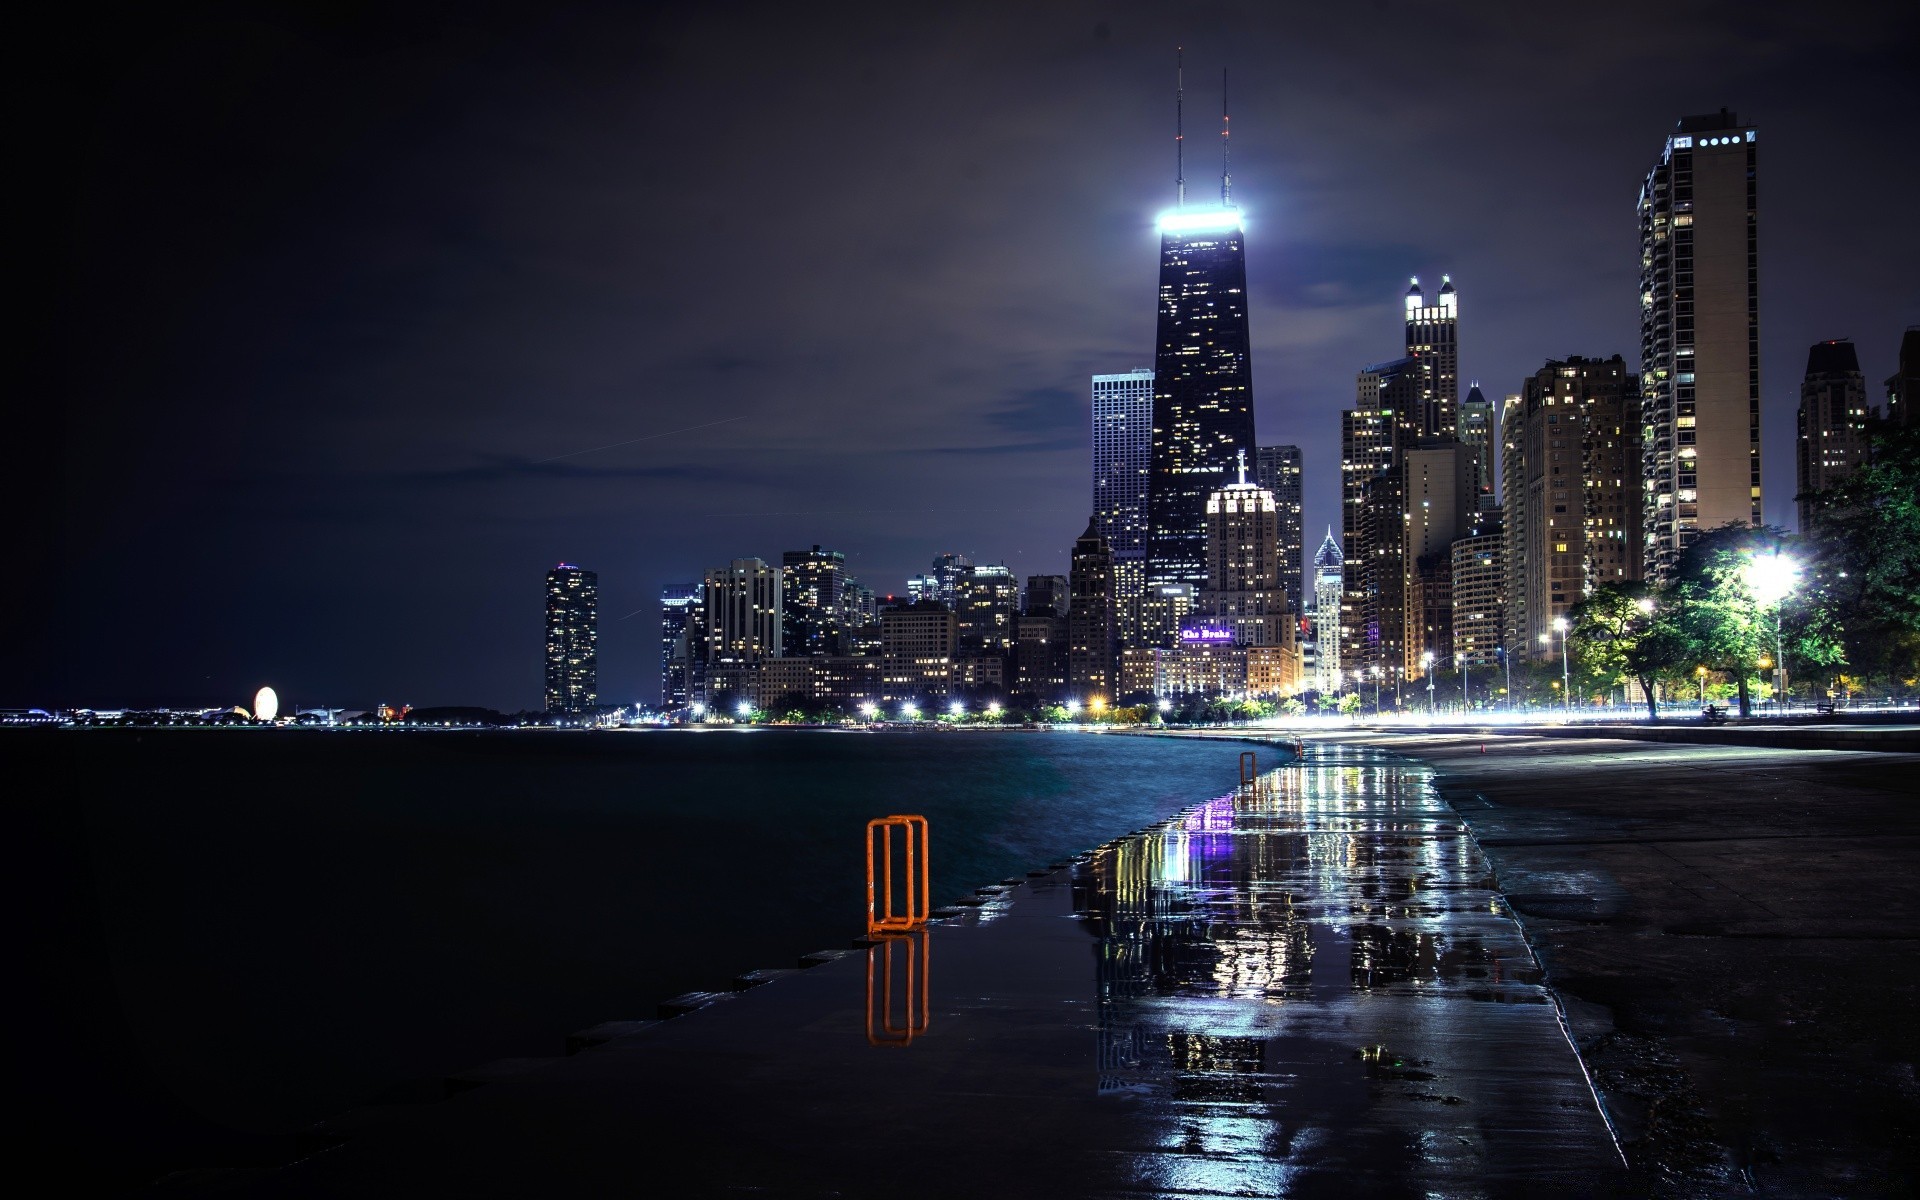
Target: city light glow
{"x": 1770, "y": 577}
{"x": 266, "y": 704}
{"x": 1213, "y": 220}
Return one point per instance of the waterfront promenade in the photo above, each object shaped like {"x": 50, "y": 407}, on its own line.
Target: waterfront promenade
{"x": 1308, "y": 988}
{"x": 1732, "y": 930}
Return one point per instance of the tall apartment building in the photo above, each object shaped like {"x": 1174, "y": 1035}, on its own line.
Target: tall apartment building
{"x": 1903, "y": 386}
{"x": 1047, "y": 594}
{"x": 810, "y": 618}
{"x": 1389, "y": 414}
{"x": 1479, "y": 585}
{"x": 743, "y": 613}
{"x": 1433, "y": 334}
{"x": 1329, "y": 587}
{"x": 1440, "y": 507}
{"x": 573, "y": 640}
{"x": 1090, "y": 640}
{"x": 1122, "y": 460}
{"x": 1833, "y": 439}
{"x": 986, "y": 603}
{"x": 1572, "y": 511}
{"x": 917, "y": 650}
{"x": 1245, "y": 590}
{"x": 1699, "y": 336}
{"x": 1479, "y": 429}
{"x": 947, "y": 570}
{"x": 1202, "y": 386}
{"x": 1513, "y": 489}
{"x": 1277, "y": 469}
{"x": 678, "y": 604}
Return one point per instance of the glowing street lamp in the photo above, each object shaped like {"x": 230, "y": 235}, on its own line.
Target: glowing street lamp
{"x": 910, "y": 711}
{"x": 1098, "y": 705}
{"x": 956, "y": 710}
{"x": 993, "y": 710}
{"x": 1426, "y": 661}
{"x": 745, "y": 709}
{"x": 1073, "y": 708}
{"x": 699, "y": 709}
{"x": 1166, "y": 705}
{"x": 869, "y": 710}
{"x": 1702, "y": 673}
{"x": 1771, "y": 578}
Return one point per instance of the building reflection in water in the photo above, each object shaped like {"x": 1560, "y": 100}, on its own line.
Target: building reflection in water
{"x": 1329, "y": 893}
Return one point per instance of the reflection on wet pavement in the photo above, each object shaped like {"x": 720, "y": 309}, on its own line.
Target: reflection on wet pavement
{"x": 1312, "y": 982}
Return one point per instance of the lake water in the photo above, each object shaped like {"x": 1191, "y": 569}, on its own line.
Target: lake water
{"x": 230, "y": 934}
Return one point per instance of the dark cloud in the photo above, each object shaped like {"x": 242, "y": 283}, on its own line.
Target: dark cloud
{"x": 382, "y": 262}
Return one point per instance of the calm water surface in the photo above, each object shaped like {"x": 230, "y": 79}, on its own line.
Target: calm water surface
{"x": 248, "y": 930}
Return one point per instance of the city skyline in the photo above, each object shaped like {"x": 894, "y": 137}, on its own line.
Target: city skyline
{"x": 364, "y": 437}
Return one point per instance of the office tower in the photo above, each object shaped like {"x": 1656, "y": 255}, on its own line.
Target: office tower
{"x": 1047, "y": 594}
{"x": 1571, "y": 510}
{"x": 1433, "y": 335}
{"x": 1122, "y": 455}
{"x": 1244, "y": 592}
{"x": 1389, "y": 400}
{"x": 573, "y": 639}
{"x": 1478, "y": 429}
{"x": 1513, "y": 559}
{"x": 1903, "y": 386}
{"x": 947, "y": 570}
{"x": 678, "y": 603}
{"x": 1833, "y": 417}
{"x": 810, "y": 617}
{"x": 1699, "y": 336}
{"x": 917, "y": 650}
{"x": 1329, "y": 585}
{"x": 1440, "y": 508}
{"x": 1090, "y": 649}
{"x": 923, "y": 587}
{"x": 1479, "y": 580}
{"x": 744, "y": 620}
{"x": 1202, "y": 387}
{"x": 986, "y": 601}
{"x": 1277, "y": 469}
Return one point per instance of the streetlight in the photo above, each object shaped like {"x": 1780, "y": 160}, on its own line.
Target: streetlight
{"x": 1073, "y": 708}
{"x": 745, "y": 709}
{"x": 1375, "y": 669}
{"x": 868, "y": 710}
{"x": 1702, "y": 673}
{"x": 1426, "y": 660}
{"x": 993, "y": 710}
{"x": 1770, "y": 577}
{"x": 957, "y": 710}
{"x": 699, "y": 709}
{"x": 1466, "y": 701}
{"x": 1566, "y": 679}
{"x": 1166, "y": 705}
{"x": 910, "y": 711}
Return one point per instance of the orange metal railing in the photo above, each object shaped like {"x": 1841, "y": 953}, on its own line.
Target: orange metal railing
{"x": 916, "y": 952}
{"x": 881, "y": 917}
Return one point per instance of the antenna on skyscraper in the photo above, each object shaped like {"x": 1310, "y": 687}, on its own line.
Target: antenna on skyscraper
{"x": 1226, "y": 178}
{"x": 1179, "y": 123}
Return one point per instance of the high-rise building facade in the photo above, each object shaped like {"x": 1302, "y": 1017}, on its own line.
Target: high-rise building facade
{"x": 1433, "y": 334}
{"x": 1440, "y": 508}
{"x": 1699, "y": 336}
{"x": 1513, "y": 491}
{"x": 1387, "y": 416}
{"x": 1277, "y": 469}
{"x": 947, "y": 570}
{"x": 917, "y": 649}
{"x": 1202, "y": 387}
{"x": 573, "y": 640}
{"x": 1903, "y": 386}
{"x": 986, "y": 602}
{"x": 1047, "y": 594}
{"x": 1572, "y": 509}
{"x": 1090, "y": 633}
{"x": 1479, "y": 429}
{"x": 1329, "y": 586}
{"x": 1122, "y": 459}
{"x": 1833, "y": 439}
{"x": 678, "y": 603}
{"x": 1479, "y": 583}
{"x": 1244, "y": 592}
{"x": 810, "y": 617}
{"x": 743, "y": 613}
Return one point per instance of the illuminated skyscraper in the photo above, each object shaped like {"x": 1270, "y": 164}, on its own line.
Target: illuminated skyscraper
{"x": 573, "y": 639}
{"x": 1122, "y": 455}
{"x": 743, "y": 613}
{"x": 811, "y": 618}
{"x": 678, "y": 603}
{"x": 1277, "y": 469}
{"x": 1329, "y": 585}
{"x": 1202, "y": 387}
{"x": 1833, "y": 417}
{"x": 1244, "y": 565}
{"x": 1433, "y": 335}
{"x": 1090, "y": 652}
{"x": 1699, "y": 336}
{"x": 1478, "y": 429}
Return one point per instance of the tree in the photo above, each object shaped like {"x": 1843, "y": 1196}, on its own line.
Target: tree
{"x": 1628, "y": 631}
{"x": 1864, "y": 573}
{"x": 1723, "y": 623}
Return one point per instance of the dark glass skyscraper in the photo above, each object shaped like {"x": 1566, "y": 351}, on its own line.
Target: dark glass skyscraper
{"x": 573, "y": 639}
{"x": 1202, "y": 386}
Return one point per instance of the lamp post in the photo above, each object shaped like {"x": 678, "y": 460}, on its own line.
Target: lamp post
{"x": 1376, "y": 688}
{"x": 1566, "y": 678}
{"x": 1701, "y": 672}
{"x": 1771, "y": 577}
{"x": 1506, "y": 660}
{"x": 1466, "y": 701}
{"x": 1399, "y": 678}
{"x": 1426, "y": 660}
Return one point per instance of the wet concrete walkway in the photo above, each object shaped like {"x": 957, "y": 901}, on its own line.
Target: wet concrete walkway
{"x": 1308, "y": 989}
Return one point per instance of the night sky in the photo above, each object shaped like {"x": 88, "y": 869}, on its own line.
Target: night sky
{"x": 334, "y": 313}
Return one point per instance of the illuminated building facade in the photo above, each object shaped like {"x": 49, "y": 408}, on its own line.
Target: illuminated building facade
{"x": 811, "y": 617}
{"x": 1277, "y": 469}
{"x": 1479, "y": 430}
{"x": 1433, "y": 335}
{"x": 917, "y": 650}
{"x": 743, "y": 618}
{"x": 1122, "y": 457}
{"x": 1243, "y": 561}
{"x": 1699, "y": 336}
{"x": 573, "y": 640}
{"x": 1329, "y": 586}
{"x": 1390, "y": 403}
{"x": 678, "y": 604}
{"x": 1202, "y": 388}
{"x": 1090, "y": 626}
{"x": 1833, "y": 418}
{"x": 986, "y": 604}
{"x": 1478, "y": 583}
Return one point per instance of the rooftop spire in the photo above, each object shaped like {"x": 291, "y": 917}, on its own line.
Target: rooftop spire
{"x": 1241, "y": 454}
{"x": 1179, "y": 124}
{"x": 1226, "y": 158}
